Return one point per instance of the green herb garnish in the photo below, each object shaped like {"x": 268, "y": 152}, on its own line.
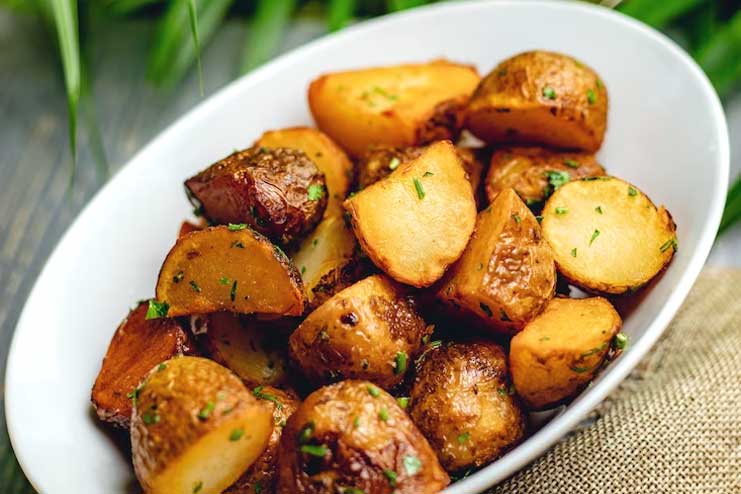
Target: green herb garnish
{"x": 412, "y": 464}
{"x": 400, "y": 366}
{"x": 206, "y": 410}
{"x": 394, "y": 163}
{"x": 316, "y": 192}
{"x": 157, "y": 309}
{"x": 672, "y": 242}
{"x": 571, "y": 163}
{"x": 306, "y": 432}
{"x": 598, "y": 209}
{"x": 224, "y": 280}
{"x": 548, "y": 92}
{"x": 150, "y": 418}
{"x": 391, "y": 476}
{"x": 463, "y": 438}
{"x": 594, "y": 237}
{"x": 591, "y": 96}
{"x": 517, "y": 218}
{"x": 237, "y": 244}
{"x": 373, "y": 391}
{"x": 161, "y": 367}
{"x": 428, "y": 174}
{"x": 314, "y": 450}
{"x": 632, "y": 192}
{"x": 235, "y": 227}
{"x": 580, "y": 370}
{"x": 178, "y": 277}
{"x": 573, "y": 252}
{"x": 195, "y": 286}
{"x": 383, "y": 414}
{"x": 621, "y": 341}
{"x": 258, "y": 393}
{"x": 418, "y": 187}
{"x": 562, "y": 210}
{"x": 236, "y": 434}
{"x": 403, "y": 402}
{"x": 197, "y": 487}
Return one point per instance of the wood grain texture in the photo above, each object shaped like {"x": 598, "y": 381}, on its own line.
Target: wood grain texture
{"x": 35, "y": 208}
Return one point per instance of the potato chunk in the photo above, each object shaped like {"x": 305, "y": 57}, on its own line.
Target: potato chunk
{"x": 560, "y": 351}
{"x": 416, "y": 222}
{"x": 462, "y": 403}
{"x": 229, "y": 268}
{"x": 328, "y": 156}
{"x": 137, "y": 346}
{"x": 196, "y": 428}
{"x": 403, "y": 105}
{"x": 370, "y": 330}
{"x": 607, "y": 236}
{"x": 352, "y": 437}
{"x": 328, "y": 260}
{"x": 279, "y": 192}
{"x": 540, "y": 97}
{"x": 535, "y": 172}
{"x": 260, "y": 476}
{"x": 506, "y": 275}
{"x": 244, "y": 346}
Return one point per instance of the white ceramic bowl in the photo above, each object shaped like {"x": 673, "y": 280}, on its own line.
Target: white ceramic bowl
{"x": 666, "y": 133}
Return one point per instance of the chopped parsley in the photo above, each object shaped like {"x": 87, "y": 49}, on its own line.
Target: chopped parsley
{"x": 356, "y": 422}
{"x": 236, "y": 434}
{"x": 672, "y": 242}
{"x": 400, "y": 366}
{"x": 403, "y": 402}
{"x": 157, "y": 309}
{"x": 463, "y": 438}
{"x": 549, "y": 92}
{"x": 258, "y": 487}
{"x": 197, "y": 487}
{"x": 562, "y": 210}
{"x": 517, "y": 218}
{"x": 314, "y": 450}
{"x": 134, "y": 394}
{"x": 316, "y": 192}
{"x": 557, "y": 178}
{"x": 391, "y": 476}
{"x": 418, "y": 187}
{"x": 383, "y": 414}
{"x": 571, "y": 163}
{"x": 632, "y": 192}
{"x": 258, "y": 393}
{"x": 598, "y": 209}
{"x": 591, "y": 96}
{"x": 486, "y": 309}
{"x": 233, "y": 292}
{"x": 206, "y": 410}
{"x": 351, "y": 490}
{"x": 303, "y": 269}
{"x": 224, "y": 280}
{"x": 593, "y": 351}
{"x": 621, "y": 341}
{"x": 594, "y": 237}
{"x": 235, "y": 227}
{"x": 580, "y": 370}
{"x": 573, "y": 252}
{"x": 195, "y": 286}
{"x": 150, "y": 418}
{"x": 412, "y": 464}
{"x": 161, "y": 367}
{"x": 394, "y": 163}
{"x": 599, "y": 84}
{"x": 305, "y": 434}
{"x": 373, "y": 391}
{"x": 428, "y": 174}
{"x": 178, "y": 277}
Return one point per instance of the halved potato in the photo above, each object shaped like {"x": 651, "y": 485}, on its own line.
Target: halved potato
{"x": 328, "y": 260}
{"x": 137, "y": 346}
{"x": 506, "y": 275}
{"x": 328, "y": 157}
{"x": 243, "y": 345}
{"x": 403, "y": 105}
{"x": 229, "y": 268}
{"x": 607, "y": 236}
{"x": 560, "y": 351}
{"x": 535, "y": 172}
{"x": 416, "y": 222}
{"x": 370, "y": 330}
{"x": 540, "y": 97}
{"x": 196, "y": 428}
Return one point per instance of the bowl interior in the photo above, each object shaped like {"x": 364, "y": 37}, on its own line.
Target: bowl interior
{"x": 666, "y": 134}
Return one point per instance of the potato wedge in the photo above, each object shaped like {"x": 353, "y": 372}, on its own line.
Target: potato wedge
{"x": 560, "y": 351}
{"x": 607, "y": 236}
{"x": 196, "y": 428}
{"x": 540, "y": 97}
{"x": 403, "y": 105}
{"x": 417, "y": 221}
{"x": 260, "y": 476}
{"x": 535, "y": 172}
{"x": 353, "y": 437}
{"x": 328, "y": 156}
{"x": 137, "y": 346}
{"x": 279, "y": 192}
{"x": 328, "y": 260}
{"x": 244, "y": 346}
{"x": 370, "y": 330}
{"x": 462, "y": 403}
{"x": 506, "y": 275}
{"x": 229, "y": 268}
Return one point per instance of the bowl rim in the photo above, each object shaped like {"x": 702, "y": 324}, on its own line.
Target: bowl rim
{"x": 534, "y": 446}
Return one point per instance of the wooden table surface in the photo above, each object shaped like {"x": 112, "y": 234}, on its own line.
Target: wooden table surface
{"x": 35, "y": 208}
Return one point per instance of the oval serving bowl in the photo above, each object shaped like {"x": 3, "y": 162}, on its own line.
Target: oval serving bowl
{"x": 666, "y": 132}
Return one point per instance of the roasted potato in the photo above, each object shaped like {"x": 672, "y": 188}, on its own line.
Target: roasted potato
{"x": 279, "y": 192}
{"x": 607, "y": 236}
{"x": 196, "y": 428}
{"x": 534, "y": 173}
{"x": 328, "y": 260}
{"x": 403, "y": 105}
{"x": 416, "y": 222}
{"x": 137, "y": 346}
{"x": 260, "y": 476}
{"x": 228, "y": 268}
{"x": 506, "y": 274}
{"x": 328, "y": 157}
{"x": 462, "y": 402}
{"x": 244, "y": 345}
{"x": 560, "y": 351}
{"x": 540, "y": 97}
{"x": 352, "y": 437}
{"x": 369, "y": 330}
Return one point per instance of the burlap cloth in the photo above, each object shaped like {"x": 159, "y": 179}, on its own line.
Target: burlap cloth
{"x": 674, "y": 426}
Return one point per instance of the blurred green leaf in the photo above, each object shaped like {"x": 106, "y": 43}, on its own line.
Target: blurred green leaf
{"x": 339, "y": 13}
{"x": 732, "y": 212}
{"x": 193, "y": 17}
{"x": 658, "y": 13}
{"x": 124, "y": 7}
{"x": 720, "y": 56}
{"x": 700, "y": 25}
{"x": 265, "y": 32}
{"x": 396, "y": 5}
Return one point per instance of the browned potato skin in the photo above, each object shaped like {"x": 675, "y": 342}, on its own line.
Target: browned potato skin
{"x": 262, "y": 474}
{"x": 461, "y": 401}
{"x": 506, "y": 275}
{"x": 187, "y": 227}
{"x": 512, "y": 104}
{"x": 165, "y": 421}
{"x": 402, "y": 105}
{"x": 525, "y": 170}
{"x": 137, "y": 346}
{"x": 267, "y": 189}
{"x": 357, "y": 456}
{"x": 562, "y": 350}
{"x": 358, "y": 333}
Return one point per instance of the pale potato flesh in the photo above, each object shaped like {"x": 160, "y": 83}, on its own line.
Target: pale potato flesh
{"x": 220, "y": 269}
{"x": 416, "y": 222}
{"x": 606, "y": 235}
{"x": 561, "y": 350}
